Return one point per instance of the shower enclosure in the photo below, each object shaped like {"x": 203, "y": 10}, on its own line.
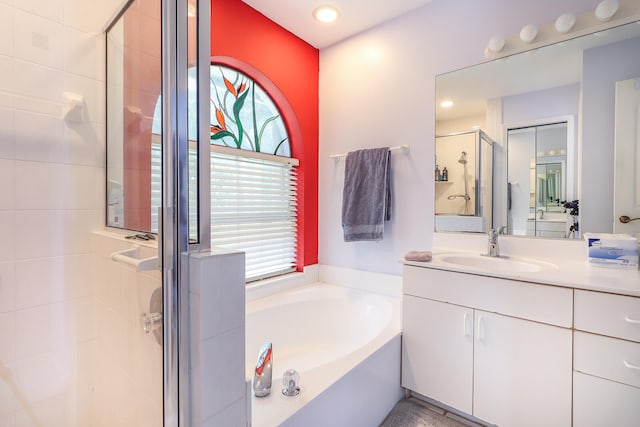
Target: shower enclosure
{"x": 464, "y": 181}
{"x": 150, "y": 48}
{"x": 72, "y": 349}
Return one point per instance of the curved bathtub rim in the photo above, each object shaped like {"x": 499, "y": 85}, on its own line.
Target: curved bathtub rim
{"x": 276, "y": 408}
{"x": 315, "y": 329}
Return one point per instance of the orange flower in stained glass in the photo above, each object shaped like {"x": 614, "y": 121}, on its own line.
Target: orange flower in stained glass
{"x": 230, "y": 87}
{"x": 220, "y": 119}
{"x": 221, "y": 123}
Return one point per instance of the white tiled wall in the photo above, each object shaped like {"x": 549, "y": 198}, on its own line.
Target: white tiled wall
{"x": 51, "y": 198}
{"x": 128, "y": 362}
{"x": 72, "y": 352}
{"x": 217, "y": 312}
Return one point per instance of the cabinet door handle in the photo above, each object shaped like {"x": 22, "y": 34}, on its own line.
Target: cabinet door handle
{"x": 480, "y": 328}
{"x": 630, "y": 320}
{"x": 630, "y": 366}
{"x": 465, "y": 326}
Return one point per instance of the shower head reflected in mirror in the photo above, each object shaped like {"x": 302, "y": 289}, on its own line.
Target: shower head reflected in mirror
{"x": 463, "y": 158}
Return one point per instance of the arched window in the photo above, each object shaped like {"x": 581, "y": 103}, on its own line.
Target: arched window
{"x": 253, "y": 176}
{"x": 244, "y": 116}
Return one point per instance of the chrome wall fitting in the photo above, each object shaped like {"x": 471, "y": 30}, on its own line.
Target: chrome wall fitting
{"x": 151, "y": 322}
{"x": 290, "y": 381}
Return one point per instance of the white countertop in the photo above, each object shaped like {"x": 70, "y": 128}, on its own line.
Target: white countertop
{"x": 576, "y": 274}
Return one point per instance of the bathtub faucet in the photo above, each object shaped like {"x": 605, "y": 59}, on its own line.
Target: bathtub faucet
{"x": 262, "y": 374}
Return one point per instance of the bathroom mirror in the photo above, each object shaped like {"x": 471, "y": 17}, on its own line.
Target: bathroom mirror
{"x": 566, "y": 89}
{"x": 134, "y": 85}
{"x": 134, "y": 118}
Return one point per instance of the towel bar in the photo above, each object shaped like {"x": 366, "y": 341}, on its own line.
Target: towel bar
{"x": 132, "y": 257}
{"x": 404, "y": 148}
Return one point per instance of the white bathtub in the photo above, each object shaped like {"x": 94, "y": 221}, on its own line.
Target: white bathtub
{"x": 344, "y": 343}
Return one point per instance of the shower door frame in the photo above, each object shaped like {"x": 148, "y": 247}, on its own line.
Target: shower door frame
{"x": 174, "y": 242}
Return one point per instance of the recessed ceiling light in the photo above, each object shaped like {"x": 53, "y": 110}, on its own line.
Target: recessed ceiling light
{"x": 325, "y": 14}
{"x": 446, "y": 104}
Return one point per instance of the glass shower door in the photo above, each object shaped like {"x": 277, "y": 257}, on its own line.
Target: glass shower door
{"x": 150, "y": 47}
{"x": 185, "y": 211}
{"x": 73, "y": 350}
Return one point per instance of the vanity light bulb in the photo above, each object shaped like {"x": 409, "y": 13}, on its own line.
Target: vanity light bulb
{"x": 606, "y": 9}
{"x": 496, "y": 44}
{"x": 529, "y": 33}
{"x": 565, "y": 23}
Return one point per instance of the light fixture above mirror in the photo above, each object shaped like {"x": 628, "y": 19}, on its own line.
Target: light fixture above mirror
{"x": 608, "y": 13}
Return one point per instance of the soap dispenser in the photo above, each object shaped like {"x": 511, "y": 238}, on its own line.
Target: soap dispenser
{"x": 437, "y": 173}
{"x": 445, "y": 174}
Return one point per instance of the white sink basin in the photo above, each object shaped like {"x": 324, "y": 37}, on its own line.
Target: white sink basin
{"x": 496, "y": 264}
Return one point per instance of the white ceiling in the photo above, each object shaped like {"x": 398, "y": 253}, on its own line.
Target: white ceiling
{"x": 469, "y": 88}
{"x": 355, "y": 16}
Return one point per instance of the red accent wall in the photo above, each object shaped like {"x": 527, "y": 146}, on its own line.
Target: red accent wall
{"x": 238, "y": 31}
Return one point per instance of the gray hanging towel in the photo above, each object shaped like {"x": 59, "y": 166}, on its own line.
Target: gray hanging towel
{"x": 366, "y": 197}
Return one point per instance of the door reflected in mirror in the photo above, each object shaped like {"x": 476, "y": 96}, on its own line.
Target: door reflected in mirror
{"x": 537, "y": 177}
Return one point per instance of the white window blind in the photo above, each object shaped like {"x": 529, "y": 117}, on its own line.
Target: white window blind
{"x": 156, "y": 185}
{"x": 253, "y": 209}
{"x": 156, "y": 180}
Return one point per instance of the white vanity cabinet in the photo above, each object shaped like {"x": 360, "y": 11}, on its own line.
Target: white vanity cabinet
{"x": 522, "y": 372}
{"x": 494, "y": 348}
{"x": 437, "y": 351}
{"x": 606, "y": 360}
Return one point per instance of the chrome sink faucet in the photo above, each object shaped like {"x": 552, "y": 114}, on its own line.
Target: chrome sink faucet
{"x": 493, "y": 248}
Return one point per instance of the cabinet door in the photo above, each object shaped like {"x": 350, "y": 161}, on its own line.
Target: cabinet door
{"x": 598, "y": 402}
{"x": 437, "y": 351}
{"x": 522, "y": 372}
